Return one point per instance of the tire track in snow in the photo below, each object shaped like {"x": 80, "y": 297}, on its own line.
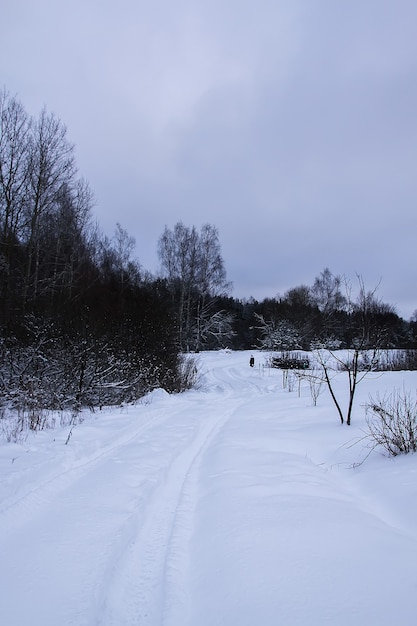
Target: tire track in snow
{"x": 237, "y": 380}
{"x": 36, "y": 494}
{"x": 144, "y": 579}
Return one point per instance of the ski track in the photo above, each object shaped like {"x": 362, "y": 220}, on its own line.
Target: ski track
{"x": 156, "y": 549}
{"x": 59, "y": 480}
{"x": 148, "y": 571}
{"x": 143, "y": 555}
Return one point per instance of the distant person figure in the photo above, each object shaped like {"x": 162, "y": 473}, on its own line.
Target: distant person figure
{"x": 252, "y": 361}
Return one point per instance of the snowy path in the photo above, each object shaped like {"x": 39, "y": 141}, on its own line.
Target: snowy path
{"x": 154, "y": 541}
{"x": 229, "y": 505}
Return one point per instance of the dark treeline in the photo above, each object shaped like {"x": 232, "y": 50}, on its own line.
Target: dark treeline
{"x": 282, "y": 324}
{"x": 82, "y": 324}
{"x": 292, "y": 322}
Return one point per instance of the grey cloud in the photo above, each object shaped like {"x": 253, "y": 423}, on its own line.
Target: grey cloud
{"x": 289, "y": 125}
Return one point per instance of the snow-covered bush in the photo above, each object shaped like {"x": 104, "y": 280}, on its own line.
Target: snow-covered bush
{"x": 277, "y": 334}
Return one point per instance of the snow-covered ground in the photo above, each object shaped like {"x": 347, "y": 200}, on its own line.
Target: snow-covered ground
{"x": 238, "y": 504}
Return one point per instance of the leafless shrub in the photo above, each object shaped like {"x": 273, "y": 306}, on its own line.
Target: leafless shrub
{"x": 316, "y": 386}
{"x": 315, "y": 380}
{"x": 392, "y": 422}
{"x": 291, "y": 380}
{"x": 188, "y": 373}
{"x": 398, "y": 360}
{"x": 11, "y": 430}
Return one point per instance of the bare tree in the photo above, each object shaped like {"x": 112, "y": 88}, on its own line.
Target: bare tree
{"x": 193, "y": 266}
{"x": 178, "y": 252}
{"x": 214, "y": 329}
{"x": 211, "y": 282}
{"x": 51, "y": 166}
{"x": 211, "y": 271}
{"x": 356, "y": 362}
{"x": 361, "y": 355}
{"x": 124, "y": 246}
{"x": 327, "y": 292}
{"x": 64, "y": 234}
{"x": 14, "y": 130}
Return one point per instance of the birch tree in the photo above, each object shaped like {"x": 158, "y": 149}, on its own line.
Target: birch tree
{"x": 193, "y": 266}
{"x": 51, "y": 166}
{"x": 14, "y": 131}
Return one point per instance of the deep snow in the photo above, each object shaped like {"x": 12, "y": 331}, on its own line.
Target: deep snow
{"x": 237, "y": 504}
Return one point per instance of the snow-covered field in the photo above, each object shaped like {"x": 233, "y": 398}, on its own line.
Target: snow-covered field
{"x": 238, "y": 504}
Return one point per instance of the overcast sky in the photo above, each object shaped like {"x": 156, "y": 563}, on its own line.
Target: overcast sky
{"x": 290, "y": 125}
